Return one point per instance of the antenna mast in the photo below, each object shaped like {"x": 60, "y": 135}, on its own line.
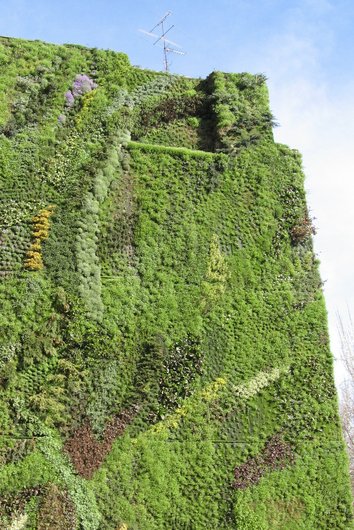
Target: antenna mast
{"x": 162, "y": 38}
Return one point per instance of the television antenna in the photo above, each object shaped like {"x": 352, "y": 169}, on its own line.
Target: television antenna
{"x": 162, "y": 38}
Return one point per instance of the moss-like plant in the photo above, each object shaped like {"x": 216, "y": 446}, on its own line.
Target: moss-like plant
{"x": 40, "y": 232}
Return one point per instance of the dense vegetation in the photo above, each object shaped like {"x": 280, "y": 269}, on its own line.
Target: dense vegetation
{"x": 164, "y": 357}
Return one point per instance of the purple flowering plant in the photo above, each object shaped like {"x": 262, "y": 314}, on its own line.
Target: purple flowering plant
{"x": 81, "y": 85}
{"x": 69, "y": 98}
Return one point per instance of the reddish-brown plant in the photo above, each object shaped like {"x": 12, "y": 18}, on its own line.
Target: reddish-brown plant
{"x": 56, "y": 510}
{"x": 302, "y": 230}
{"x": 86, "y": 452}
{"x": 275, "y": 455}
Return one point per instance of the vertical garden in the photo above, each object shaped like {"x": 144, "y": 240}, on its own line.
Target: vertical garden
{"x": 164, "y": 353}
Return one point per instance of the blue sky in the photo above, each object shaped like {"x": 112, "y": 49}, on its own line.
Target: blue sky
{"x": 305, "y": 47}
{"x": 226, "y": 35}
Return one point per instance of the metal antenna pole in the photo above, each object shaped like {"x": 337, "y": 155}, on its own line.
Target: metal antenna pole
{"x": 166, "y": 42}
{"x": 164, "y": 48}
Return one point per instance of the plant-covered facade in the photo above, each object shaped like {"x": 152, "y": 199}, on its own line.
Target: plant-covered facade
{"x": 164, "y": 354}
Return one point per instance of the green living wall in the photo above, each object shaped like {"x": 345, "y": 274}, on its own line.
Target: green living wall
{"x": 164, "y": 355}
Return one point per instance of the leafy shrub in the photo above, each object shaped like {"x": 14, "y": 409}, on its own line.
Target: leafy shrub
{"x": 13, "y": 506}
{"x": 180, "y": 368}
{"x": 302, "y": 230}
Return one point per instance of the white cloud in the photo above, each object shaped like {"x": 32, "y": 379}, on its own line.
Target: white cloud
{"x": 319, "y": 123}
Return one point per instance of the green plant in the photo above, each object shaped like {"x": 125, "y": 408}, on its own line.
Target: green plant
{"x": 302, "y": 230}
